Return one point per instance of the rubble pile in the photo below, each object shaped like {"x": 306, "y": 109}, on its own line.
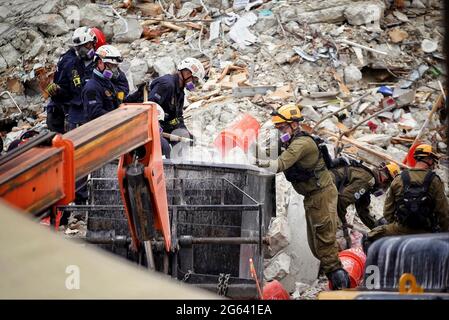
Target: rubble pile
{"x": 385, "y": 62}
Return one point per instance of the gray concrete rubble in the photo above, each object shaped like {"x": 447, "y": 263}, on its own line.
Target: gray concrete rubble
{"x": 258, "y": 56}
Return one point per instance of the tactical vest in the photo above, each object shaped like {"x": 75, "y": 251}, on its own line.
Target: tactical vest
{"x": 297, "y": 173}
{"x": 415, "y": 208}
{"x": 342, "y": 181}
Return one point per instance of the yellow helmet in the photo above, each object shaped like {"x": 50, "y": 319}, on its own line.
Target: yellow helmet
{"x": 393, "y": 169}
{"x": 423, "y": 151}
{"x": 287, "y": 113}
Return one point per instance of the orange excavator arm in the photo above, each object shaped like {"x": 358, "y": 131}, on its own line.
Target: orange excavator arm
{"x": 44, "y": 176}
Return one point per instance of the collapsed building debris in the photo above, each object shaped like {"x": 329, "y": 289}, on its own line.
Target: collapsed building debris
{"x": 341, "y": 60}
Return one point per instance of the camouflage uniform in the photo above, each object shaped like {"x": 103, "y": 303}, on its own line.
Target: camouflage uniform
{"x": 320, "y": 199}
{"x": 436, "y": 190}
{"x": 355, "y": 185}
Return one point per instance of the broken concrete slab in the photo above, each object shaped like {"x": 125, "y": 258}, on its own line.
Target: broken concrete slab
{"x": 278, "y": 234}
{"x": 92, "y": 15}
{"x": 278, "y": 267}
{"x": 365, "y": 13}
{"x": 265, "y": 22}
{"x": 9, "y": 54}
{"x": 304, "y": 266}
{"x": 3, "y": 64}
{"x": 164, "y": 65}
{"x": 352, "y": 74}
{"x": 381, "y": 140}
{"x": 50, "y": 24}
{"x": 4, "y": 13}
{"x": 71, "y": 15}
{"x": 134, "y": 30}
{"x": 138, "y": 69}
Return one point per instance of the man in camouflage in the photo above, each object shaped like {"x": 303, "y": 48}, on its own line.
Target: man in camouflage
{"x": 434, "y": 207}
{"x": 355, "y": 183}
{"x": 304, "y": 166}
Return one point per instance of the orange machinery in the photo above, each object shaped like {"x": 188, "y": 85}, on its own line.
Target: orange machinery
{"x": 40, "y": 176}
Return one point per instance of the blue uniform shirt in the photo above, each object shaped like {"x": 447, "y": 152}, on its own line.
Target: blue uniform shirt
{"x": 99, "y": 96}
{"x": 166, "y": 92}
{"x": 71, "y": 75}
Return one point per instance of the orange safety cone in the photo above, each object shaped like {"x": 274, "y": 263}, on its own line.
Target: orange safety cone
{"x": 409, "y": 160}
{"x": 353, "y": 261}
{"x": 242, "y": 133}
{"x": 274, "y": 290}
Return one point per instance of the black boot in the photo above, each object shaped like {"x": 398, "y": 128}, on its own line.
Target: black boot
{"x": 339, "y": 279}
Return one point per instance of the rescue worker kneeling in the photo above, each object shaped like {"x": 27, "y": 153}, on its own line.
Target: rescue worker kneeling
{"x": 304, "y": 166}
{"x": 416, "y": 202}
{"x": 356, "y": 183}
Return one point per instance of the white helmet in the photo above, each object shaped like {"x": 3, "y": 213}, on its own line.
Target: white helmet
{"x": 109, "y": 54}
{"x": 83, "y": 35}
{"x": 195, "y": 66}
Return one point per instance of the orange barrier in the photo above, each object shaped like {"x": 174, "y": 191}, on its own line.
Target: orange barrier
{"x": 275, "y": 291}
{"x": 240, "y": 134}
{"x": 353, "y": 261}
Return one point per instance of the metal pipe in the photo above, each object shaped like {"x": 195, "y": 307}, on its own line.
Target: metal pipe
{"x": 187, "y": 241}
{"x": 10, "y": 96}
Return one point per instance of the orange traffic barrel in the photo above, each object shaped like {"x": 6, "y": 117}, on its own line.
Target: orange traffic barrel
{"x": 274, "y": 290}
{"x": 241, "y": 133}
{"x": 353, "y": 261}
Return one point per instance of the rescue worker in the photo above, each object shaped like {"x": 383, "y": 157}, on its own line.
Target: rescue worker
{"x": 303, "y": 165}
{"x": 72, "y": 71}
{"x": 415, "y": 202}
{"x": 356, "y": 183}
{"x": 99, "y": 95}
{"x": 168, "y": 92}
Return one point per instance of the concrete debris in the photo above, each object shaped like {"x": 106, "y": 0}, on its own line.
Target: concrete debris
{"x": 71, "y": 15}
{"x": 10, "y": 55}
{"x": 127, "y": 32}
{"x": 138, "y": 70}
{"x": 382, "y": 140}
{"x": 367, "y": 13}
{"x": 352, "y": 74}
{"x": 278, "y": 235}
{"x": 164, "y": 65}
{"x": 278, "y": 267}
{"x": 50, "y": 24}
{"x": 240, "y": 33}
{"x": 258, "y": 55}
{"x": 93, "y": 15}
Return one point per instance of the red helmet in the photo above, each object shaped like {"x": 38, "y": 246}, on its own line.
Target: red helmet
{"x": 101, "y": 38}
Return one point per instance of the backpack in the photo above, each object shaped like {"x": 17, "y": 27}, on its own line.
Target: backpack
{"x": 416, "y": 208}
{"x": 297, "y": 173}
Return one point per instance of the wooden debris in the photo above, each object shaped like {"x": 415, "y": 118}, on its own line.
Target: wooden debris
{"x": 397, "y": 35}
{"x": 366, "y": 148}
{"x": 15, "y": 85}
{"x": 283, "y": 93}
{"x": 343, "y": 88}
{"x": 205, "y": 97}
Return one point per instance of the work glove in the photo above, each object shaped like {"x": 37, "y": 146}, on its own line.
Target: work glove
{"x": 120, "y": 96}
{"x": 52, "y": 89}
